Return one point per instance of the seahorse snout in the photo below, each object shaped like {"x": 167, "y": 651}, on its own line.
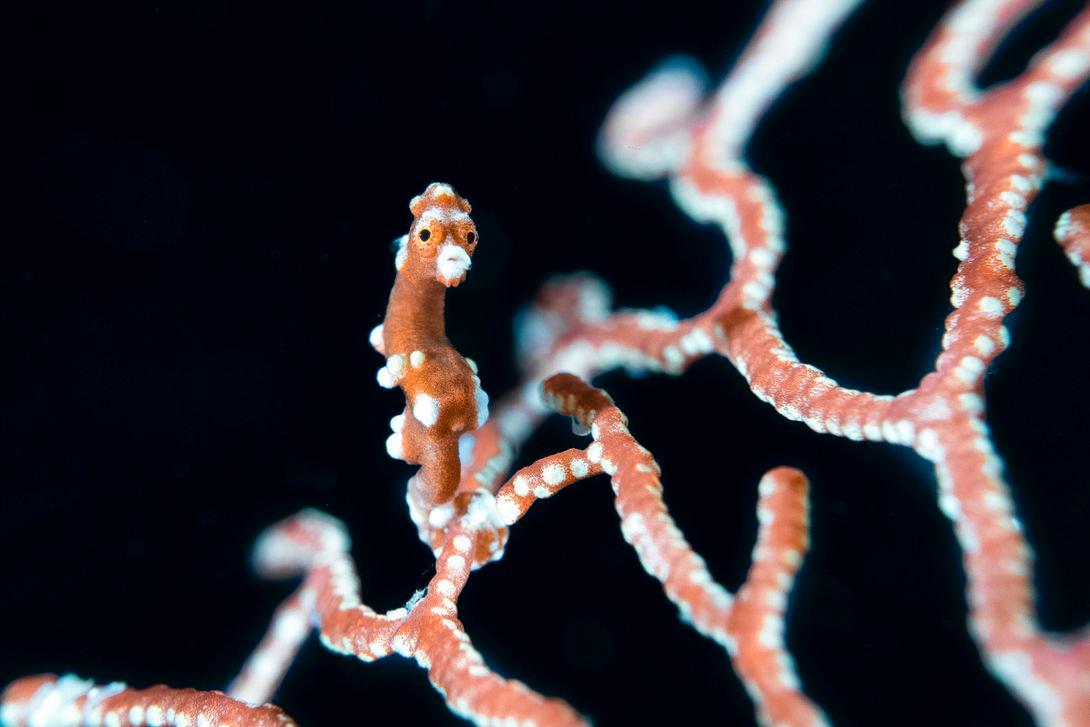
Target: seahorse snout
{"x": 451, "y": 264}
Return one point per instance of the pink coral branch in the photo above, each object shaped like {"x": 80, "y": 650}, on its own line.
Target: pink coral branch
{"x": 428, "y": 630}
{"x": 1000, "y": 133}
{"x": 263, "y": 671}
{"x": 542, "y": 480}
{"x": 69, "y": 701}
{"x": 749, "y": 627}
{"x": 425, "y": 629}
{"x": 1073, "y": 233}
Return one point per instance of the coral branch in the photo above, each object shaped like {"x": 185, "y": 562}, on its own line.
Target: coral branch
{"x": 541, "y": 480}
{"x": 425, "y": 629}
{"x": 315, "y": 544}
{"x": 756, "y": 622}
{"x": 1073, "y": 233}
{"x": 440, "y": 644}
{"x": 265, "y": 669}
{"x": 712, "y": 183}
{"x": 69, "y": 701}
{"x": 751, "y": 626}
{"x": 1000, "y": 133}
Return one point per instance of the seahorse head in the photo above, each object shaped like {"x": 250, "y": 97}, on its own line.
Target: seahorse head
{"x": 442, "y": 237}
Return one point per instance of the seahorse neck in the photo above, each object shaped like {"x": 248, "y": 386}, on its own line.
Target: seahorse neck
{"x": 417, "y": 305}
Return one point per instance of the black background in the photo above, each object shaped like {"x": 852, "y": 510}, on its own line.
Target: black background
{"x": 199, "y": 243}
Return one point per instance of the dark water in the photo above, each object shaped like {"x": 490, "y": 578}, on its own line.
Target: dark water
{"x": 199, "y": 244}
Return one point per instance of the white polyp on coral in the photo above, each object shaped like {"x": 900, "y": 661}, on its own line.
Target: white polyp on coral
{"x": 482, "y": 513}
{"x": 440, "y": 516}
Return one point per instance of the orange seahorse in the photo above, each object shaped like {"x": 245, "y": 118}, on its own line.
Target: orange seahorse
{"x": 443, "y": 395}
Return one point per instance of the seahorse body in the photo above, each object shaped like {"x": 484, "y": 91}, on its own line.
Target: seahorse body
{"x": 443, "y": 395}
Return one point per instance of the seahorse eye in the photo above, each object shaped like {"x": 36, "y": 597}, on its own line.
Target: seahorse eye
{"x": 470, "y": 238}
{"x": 425, "y": 235}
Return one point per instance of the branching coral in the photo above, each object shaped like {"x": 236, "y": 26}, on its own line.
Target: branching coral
{"x": 464, "y": 506}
